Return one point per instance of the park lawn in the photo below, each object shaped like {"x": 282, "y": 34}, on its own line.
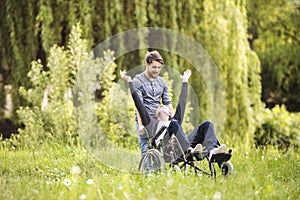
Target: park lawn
{"x": 53, "y": 171}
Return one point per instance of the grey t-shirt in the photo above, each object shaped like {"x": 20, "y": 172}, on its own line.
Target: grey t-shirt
{"x": 151, "y": 93}
{"x": 151, "y": 123}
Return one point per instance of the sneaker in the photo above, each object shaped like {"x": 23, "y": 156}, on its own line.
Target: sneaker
{"x": 193, "y": 151}
{"x": 198, "y": 148}
{"x": 220, "y": 149}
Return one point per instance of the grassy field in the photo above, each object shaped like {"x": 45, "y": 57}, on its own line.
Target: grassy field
{"x": 52, "y": 171}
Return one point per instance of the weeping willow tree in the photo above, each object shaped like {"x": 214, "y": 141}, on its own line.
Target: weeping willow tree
{"x": 31, "y": 28}
{"x": 18, "y": 44}
{"x": 225, "y": 27}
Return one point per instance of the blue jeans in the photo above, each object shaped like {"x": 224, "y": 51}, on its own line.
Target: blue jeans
{"x": 144, "y": 146}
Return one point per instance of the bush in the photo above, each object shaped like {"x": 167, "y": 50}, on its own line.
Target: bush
{"x": 279, "y": 128}
{"x": 50, "y": 114}
{"x": 116, "y": 114}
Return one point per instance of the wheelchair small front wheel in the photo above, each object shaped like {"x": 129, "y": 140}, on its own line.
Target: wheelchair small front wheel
{"x": 227, "y": 168}
{"x": 176, "y": 168}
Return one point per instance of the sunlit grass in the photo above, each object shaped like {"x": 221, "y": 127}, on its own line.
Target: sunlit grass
{"x": 64, "y": 172}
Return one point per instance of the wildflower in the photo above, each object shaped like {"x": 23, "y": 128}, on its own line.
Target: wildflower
{"x": 35, "y": 191}
{"x": 217, "y": 196}
{"x": 67, "y": 182}
{"x": 82, "y": 197}
{"x": 75, "y": 170}
{"x": 90, "y": 182}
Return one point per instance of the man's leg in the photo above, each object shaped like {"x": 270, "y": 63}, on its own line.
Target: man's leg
{"x": 205, "y": 135}
{"x": 144, "y": 145}
{"x": 143, "y": 141}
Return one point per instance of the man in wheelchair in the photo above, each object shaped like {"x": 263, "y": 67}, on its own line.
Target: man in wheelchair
{"x": 204, "y": 135}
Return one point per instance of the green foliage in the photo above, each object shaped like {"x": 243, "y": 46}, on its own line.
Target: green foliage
{"x": 31, "y": 28}
{"x": 18, "y": 46}
{"x": 116, "y": 116}
{"x": 50, "y": 111}
{"x": 187, "y": 122}
{"x": 45, "y": 16}
{"x": 116, "y": 110}
{"x": 110, "y": 118}
{"x": 276, "y": 41}
{"x": 225, "y": 39}
{"x": 278, "y": 128}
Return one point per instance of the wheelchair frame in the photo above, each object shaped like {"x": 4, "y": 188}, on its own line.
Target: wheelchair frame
{"x": 156, "y": 157}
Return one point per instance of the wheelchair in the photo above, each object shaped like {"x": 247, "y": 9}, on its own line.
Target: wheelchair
{"x": 164, "y": 148}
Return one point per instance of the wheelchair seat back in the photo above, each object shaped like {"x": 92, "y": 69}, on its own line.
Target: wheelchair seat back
{"x": 168, "y": 145}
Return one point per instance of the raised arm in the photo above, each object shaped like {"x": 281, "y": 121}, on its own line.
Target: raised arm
{"x": 145, "y": 117}
{"x": 180, "y": 108}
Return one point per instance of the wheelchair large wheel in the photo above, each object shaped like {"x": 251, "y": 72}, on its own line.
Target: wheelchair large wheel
{"x": 152, "y": 162}
{"x": 227, "y": 168}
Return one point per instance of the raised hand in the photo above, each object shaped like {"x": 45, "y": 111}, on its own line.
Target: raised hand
{"x": 124, "y": 76}
{"x": 186, "y": 75}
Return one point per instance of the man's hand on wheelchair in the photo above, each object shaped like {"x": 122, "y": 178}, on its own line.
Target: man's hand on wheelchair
{"x": 141, "y": 129}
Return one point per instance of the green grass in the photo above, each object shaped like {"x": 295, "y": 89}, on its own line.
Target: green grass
{"x": 52, "y": 171}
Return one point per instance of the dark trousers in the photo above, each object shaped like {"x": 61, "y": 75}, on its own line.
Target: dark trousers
{"x": 203, "y": 134}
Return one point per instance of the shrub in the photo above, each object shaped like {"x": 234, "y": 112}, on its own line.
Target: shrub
{"x": 116, "y": 114}
{"x": 51, "y": 114}
{"x": 279, "y": 128}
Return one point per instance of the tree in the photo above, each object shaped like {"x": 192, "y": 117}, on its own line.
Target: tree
{"x": 218, "y": 26}
{"x": 274, "y": 33}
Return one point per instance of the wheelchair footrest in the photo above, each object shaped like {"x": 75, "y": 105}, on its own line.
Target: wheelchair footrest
{"x": 200, "y": 155}
{"x": 220, "y": 157}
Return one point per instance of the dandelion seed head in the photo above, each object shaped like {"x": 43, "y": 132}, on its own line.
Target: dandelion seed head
{"x": 67, "y": 182}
